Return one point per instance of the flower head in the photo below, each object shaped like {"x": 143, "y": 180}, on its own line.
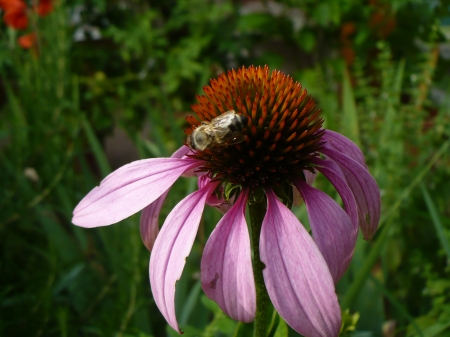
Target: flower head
{"x": 27, "y": 41}
{"x": 15, "y": 13}
{"x": 281, "y": 144}
{"x": 44, "y": 7}
{"x": 283, "y": 132}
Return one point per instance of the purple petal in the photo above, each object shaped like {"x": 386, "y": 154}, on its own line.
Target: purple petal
{"x": 148, "y": 223}
{"x": 128, "y": 190}
{"x": 213, "y": 201}
{"x": 340, "y": 143}
{"x": 333, "y": 231}
{"x": 296, "y": 275}
{"x": 226, "y": 267}
{"x": 364, "y": 189}
{"x": 334, "y": 174}
{"x": 310, "y": 177}
{"x": 171, "y": 248}
{"x": 181, "y": 152}
{"x": 149, "y": 218}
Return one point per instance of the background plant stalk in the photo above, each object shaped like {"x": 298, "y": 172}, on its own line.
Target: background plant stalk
{"x": 257, "y": 210}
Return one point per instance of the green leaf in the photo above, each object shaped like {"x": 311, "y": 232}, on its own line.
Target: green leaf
{"x": 440, "y": 231}
{"x": 190, "y": 303}
{"x": 349, "y": 122}
{"x": 398, "y": 305}
{"x": 436, "y": 330}
{"x": 96, "y": 147}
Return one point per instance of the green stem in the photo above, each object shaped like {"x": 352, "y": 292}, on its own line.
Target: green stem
{"x": 257, "y": 210}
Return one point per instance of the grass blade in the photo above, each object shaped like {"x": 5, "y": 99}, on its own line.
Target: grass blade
{"x": 436, "y": 220}
{"x": 364, "y": 272}
{"x": 349, "y": 121}
{"x": 400, "y": 307}
{"x": 96, "y": 147}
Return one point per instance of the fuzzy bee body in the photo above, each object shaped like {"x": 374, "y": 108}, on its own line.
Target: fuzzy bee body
{"x": 223, "y": 130}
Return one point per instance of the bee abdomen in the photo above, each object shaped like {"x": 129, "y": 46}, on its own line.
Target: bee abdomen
{"x": 238, "y": 123}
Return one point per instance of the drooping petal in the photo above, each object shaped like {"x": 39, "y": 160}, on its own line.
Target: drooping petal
{"x": 296, "y": 275}
{"x": 226, "y": 267}
{"x": 340, "y": 143}
{"x": 181, "y": 152}
{"x": 128, "y": 190}
{"x": 310, "y": 177}
{"x": 334, "y": 174}
{"x": 364, "y": 189}
{"x": 219, "y": 203}
{"x": 333, "y": 231}
{"x": 171, "y": 248}
{"x": 148, "y": 223}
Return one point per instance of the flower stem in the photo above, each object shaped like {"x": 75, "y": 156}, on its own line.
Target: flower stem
{"x": 257, "y": 210}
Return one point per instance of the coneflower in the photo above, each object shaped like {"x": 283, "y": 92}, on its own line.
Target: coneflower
{"x": 283, "y": 144}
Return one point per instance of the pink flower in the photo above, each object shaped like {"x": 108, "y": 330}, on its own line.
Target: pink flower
{"x": 284, "y": 144}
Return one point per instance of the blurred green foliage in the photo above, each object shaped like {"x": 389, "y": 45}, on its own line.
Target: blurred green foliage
{"x": 379, "y": 71}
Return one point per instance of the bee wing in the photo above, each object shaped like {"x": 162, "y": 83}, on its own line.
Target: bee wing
{"x": 220, "y": 126}
{"x": 223, "y": 121}
{"x": 223, "y": 135}
{"x": 232, "y": 138}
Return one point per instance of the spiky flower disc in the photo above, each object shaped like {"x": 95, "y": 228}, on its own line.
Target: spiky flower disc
{"x": 283, "y": 131}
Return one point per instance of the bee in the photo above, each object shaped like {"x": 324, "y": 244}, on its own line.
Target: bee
{"x": 223, "y": 130}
